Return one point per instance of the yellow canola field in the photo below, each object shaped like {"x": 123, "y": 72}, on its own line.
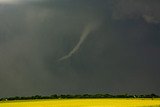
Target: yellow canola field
{"x": 84, "y": 103}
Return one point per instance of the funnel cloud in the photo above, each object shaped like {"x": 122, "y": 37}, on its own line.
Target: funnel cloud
{"x": 87, "y": 30}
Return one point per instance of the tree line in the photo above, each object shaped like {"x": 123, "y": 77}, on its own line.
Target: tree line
{"x": 55, "y": 96}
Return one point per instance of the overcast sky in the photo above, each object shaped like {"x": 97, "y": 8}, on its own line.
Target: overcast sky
{"x": 79, "y": 46}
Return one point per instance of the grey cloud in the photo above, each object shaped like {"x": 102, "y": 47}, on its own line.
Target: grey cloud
{"x": 32, "y": 39}
{"x": 34, "y": 35}
{"x": 133, "y": 9}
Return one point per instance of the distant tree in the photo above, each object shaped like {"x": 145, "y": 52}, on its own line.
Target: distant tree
{"x": 86, "y": 96}
{"x": 80, "y": 96}
{"x": 108, "y": 96}
{"x": 55, "y": 96}
{"x": 154, "y": 95}
{"x": 63, "y": 96}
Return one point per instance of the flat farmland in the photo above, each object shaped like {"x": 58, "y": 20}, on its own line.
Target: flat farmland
{"x": 83, "y": 103}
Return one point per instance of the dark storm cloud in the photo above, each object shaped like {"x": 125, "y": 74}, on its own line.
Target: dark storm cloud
{"x": 123, "y": 49}
{"x": 146, "y": 9}
{"x": 33, "y": 37}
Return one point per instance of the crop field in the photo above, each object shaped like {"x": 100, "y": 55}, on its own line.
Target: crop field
{"x": 84, "y": 103}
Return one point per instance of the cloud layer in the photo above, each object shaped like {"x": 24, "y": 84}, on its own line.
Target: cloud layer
{"x": 107, "y": 45}
{"x": 146, "y": 9}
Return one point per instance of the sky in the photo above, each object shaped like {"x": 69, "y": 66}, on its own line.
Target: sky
{"x": 79, "y": 46}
